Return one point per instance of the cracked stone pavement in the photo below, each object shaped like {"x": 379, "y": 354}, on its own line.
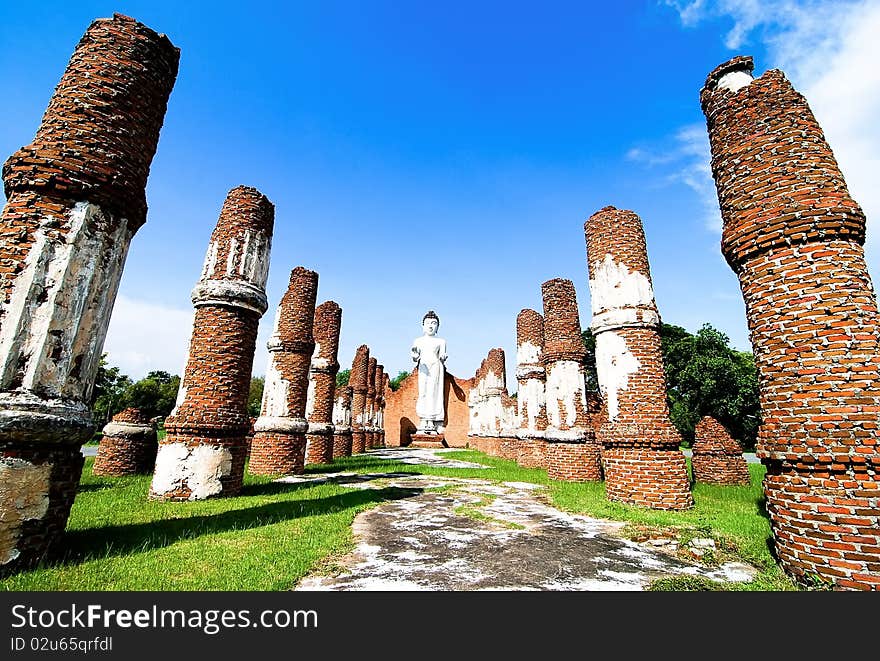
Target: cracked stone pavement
{"x": 474, "y": 534}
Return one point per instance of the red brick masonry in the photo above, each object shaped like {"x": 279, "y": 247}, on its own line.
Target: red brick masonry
{"x": 322, "y": 377}
{"x": 128, "y": 446}
{"x": 793, "y": 236}
{"x": 717, "y": 458}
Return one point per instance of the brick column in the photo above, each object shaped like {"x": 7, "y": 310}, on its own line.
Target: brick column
{"x": 358, "y": 381}
{"x": 370, "y": 406}
{"x": 386, "y": 388}
{"x": 531, "y": 398}
{"x": 203, "y": 453}
{"x": 342, "y": 423}
{"x": 641, "y": 457}
{"x": 793, "y": 236}
{"x": 322, "y": 384}
{"x": 74, "y": 200}
{"x": 379, "y": 386}
{"x": 716, "y": 457}
{"x": 572, "y": 451}
{"x": 128, "y": 446}
{"x": 279, "y": 445}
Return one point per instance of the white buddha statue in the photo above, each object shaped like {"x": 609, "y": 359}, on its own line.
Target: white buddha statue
{"x": 429, "y": 354}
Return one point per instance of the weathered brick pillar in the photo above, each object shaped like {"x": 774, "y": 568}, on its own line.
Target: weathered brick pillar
{"x": 794, "y": 237}
{"x": 379, "y": 381}
{"x": 641, "y": 457}
{"x": 358, "y": 381}
{"x": 322, "y": 383}
{"x": 370, "y": 406}
{"x": 128, "y": 446}
{"x": 74, "y": 199}
{"x": 279, "y": 446}
{"x": 531, "y": 398}
{"x": 717, "y": 458}
{"x": 572, "y": 451}
{"x": 342, "y": 423}
{"x": 204, "y": 451}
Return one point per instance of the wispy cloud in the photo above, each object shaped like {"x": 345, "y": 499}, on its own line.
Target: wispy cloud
{"x": 829, "y": 50}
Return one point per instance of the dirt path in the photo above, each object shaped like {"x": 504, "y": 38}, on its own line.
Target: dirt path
{"x": 472, "y": 534}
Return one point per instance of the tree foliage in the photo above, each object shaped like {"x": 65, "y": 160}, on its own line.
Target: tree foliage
{"x": 108, "y": 393}
{"x": 394, "y": 383}
{"x": 704, "y": 376}
{"x": 342, "y": 378}
{"x": 155, "y": 394}
{"x": 255, "y": 396}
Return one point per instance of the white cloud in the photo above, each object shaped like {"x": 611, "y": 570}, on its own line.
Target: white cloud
{"x": 829, "y": 50}
{"x": 145, "y": 336}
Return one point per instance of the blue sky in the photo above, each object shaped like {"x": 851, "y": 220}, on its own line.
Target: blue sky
{"x": 446, "y": 155}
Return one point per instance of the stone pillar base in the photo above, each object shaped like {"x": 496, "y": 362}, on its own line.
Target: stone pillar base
{"x": 573, "y": 462}
{"x": 722, "y": 469}
{"x": 829, "y": 532}
{"x": 118, "y": 456}
{"x": 428, "y": 441}
{"x": 647, "y": 477}
{"x": 190, "y": 467}
{"x": 319, "y": 448}
{"x": 277, "y": 454}
{"x": 342, "y": 444}
{"x": 358, "y": 442}
{"x": 39, "y": 483}
{"x": 532, "y": 453}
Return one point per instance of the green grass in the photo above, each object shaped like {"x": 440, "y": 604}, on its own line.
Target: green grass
{"x": 273, "y": 534}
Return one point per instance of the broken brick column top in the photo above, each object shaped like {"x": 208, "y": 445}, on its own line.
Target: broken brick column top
{"x": 777, "y": 179}
{"x": 290, "y": 354}
{"x": 101, "y": 128}
{"x": 133, "y": 416}
{"x": 379, "y": 380}
{"x": 710, "y": 437}
{"x": 529, "y": 344}
{"x": 237, "y": 262}
{"x": 360, "y": 369}
{"x": 562, "y": 326}
{"x": 371, "y": 377}
{"x": 621, "y": 293}
{"x": 327, "y": 324}
{"x": 495, "y": 372}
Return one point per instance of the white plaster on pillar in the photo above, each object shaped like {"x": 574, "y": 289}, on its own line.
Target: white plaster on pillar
{"x": 565, "y": 383}
{"x": 614, "y": 363}
{"x": 275, "y": 391}
{"x": 24, "y": 496}
{"x": 198, "y": 469}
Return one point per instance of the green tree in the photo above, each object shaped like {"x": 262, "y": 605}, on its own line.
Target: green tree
{"x": 704, "y": 376}
{"x": 155, "y": 394}
{"x": 108, "y": 395}
{"x": 255, "y": 396}
{"x": 342, "y": 378}
{"x": 394, "y": 383}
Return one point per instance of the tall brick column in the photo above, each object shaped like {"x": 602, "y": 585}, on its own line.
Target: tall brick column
{"x": 793, "y": 236}
{"x": 641, "y": 457}
{"x": 342, "y": 423}
{"x": 204, "y": 451}
{"x": 386, "y": 388}
{"x": 128, "y": 446}
{"x": 379, "y": 387}
{"x": 279, "y": 446}
{"x": 531, "y": 397}
{"x": 572, "y": 451}
{"x": 717, "y": 458}
{"x": 370, "y": 406}
{"x": 358, "y": 381}
{"x": 322, "y": 383}
{"x": 75, "y": 198}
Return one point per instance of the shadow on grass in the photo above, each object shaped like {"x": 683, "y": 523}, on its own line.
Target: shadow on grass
{"x": 348, "y": 465}
{"x": 275, "y": 487}
{"x": 108, "y": 541}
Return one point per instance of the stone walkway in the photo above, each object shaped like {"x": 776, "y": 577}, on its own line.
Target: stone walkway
{"x": 474, "y": 534}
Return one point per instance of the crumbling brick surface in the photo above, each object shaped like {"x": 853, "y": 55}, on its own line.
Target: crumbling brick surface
{"x": 378, "y": 403}
{"x": 280, "y": 438}
{"x": 569, "y": 418}
{"x": 629, "y": 363}
{"x": 203, "y": 452}
{"x": 322, "y": 375}
{"x": 793, "y": 235}
{"x": 360, "y": 367}
{"x": 75, "y": 197}
{"x": 717, "y": 458}
{"x": 342, "y": 423}
{"x": 530, "y": 373}
{"x": 532, "y": 453}
{"x": 370, "y": 405}
{"x": 128, "y": 446}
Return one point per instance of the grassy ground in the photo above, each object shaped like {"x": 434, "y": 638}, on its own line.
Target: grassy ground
{"x": 274, "y": 534}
